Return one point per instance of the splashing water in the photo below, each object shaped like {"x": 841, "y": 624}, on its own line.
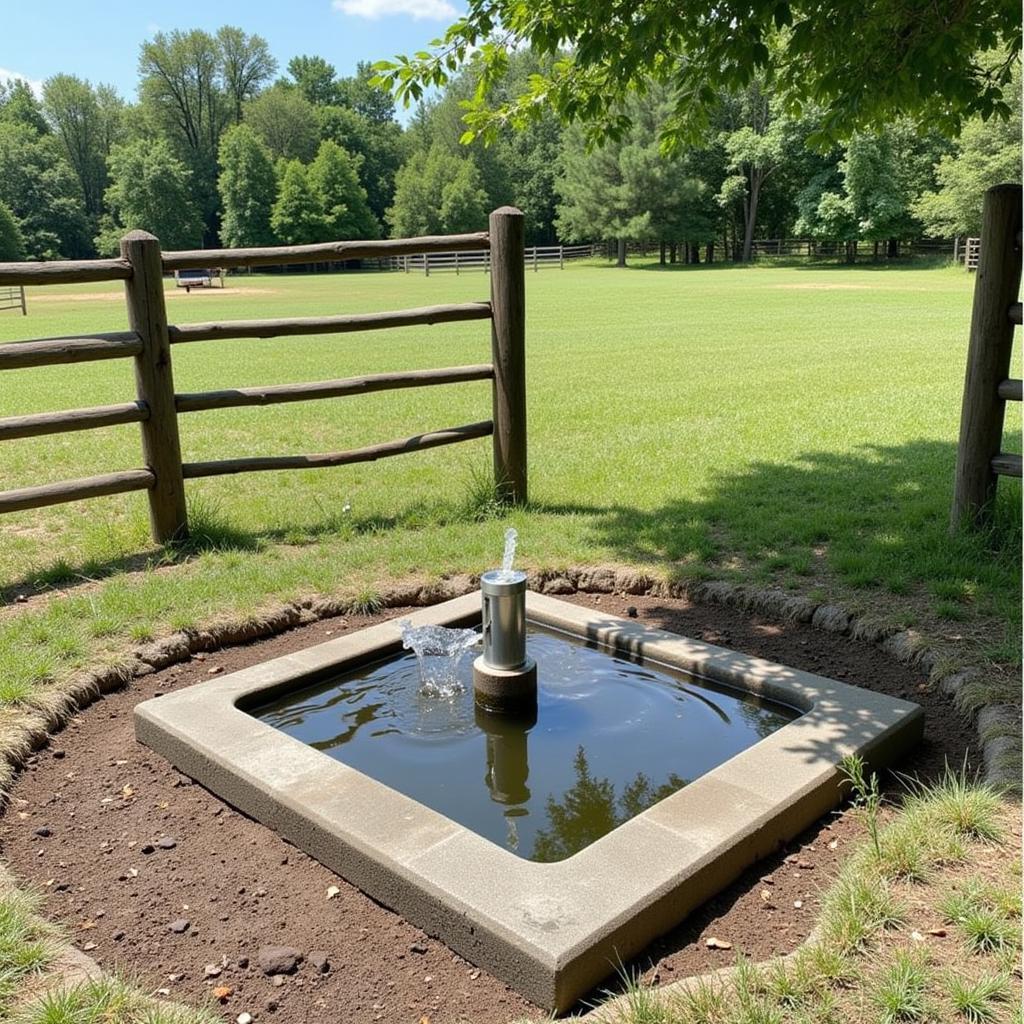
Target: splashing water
{"x": 511, "y": 536}
{"x": 438, "y": 651}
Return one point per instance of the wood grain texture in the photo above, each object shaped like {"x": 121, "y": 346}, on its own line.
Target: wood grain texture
{"x": 508, "y": 353}
{"x": 342, "y": 324}
{"x": 154, "y": 383}
{"x": 988, "y": 358}
{"x": 321, "y": 252}
{"x": 263, "y": 463}
{"x": 53, "y": 351}
{"x": 278, "y": 393}
{"x": 70, "y": 420}
{"x": 75, "y": 490}
{"x": 64, "y": 272}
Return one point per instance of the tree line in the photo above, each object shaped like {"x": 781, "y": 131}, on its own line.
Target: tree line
{"x": 219, "y": 149}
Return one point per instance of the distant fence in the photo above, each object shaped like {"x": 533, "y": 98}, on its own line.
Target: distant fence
{"x": 13, "y": 298}
{"x": 972, "y": 253}
{"x": 987, "y": 388}
{"x": 535, "y": 258}
{"x": 157, "y": 406}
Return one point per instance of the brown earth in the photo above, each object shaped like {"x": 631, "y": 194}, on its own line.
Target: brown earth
{"x": 104, "y": 799}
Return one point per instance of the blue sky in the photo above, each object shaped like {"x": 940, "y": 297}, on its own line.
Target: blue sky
{"x": 100, "y": 41}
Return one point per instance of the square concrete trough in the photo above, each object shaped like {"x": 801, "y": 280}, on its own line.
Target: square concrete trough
{"x": 552, "y": 931}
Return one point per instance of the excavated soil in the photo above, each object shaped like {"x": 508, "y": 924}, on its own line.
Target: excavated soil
{"x": 125, "y": 846}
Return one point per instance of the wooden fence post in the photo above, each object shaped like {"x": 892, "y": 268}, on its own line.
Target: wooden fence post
{"x": 154, "y": 383}
{"x": 988, "y": 356}
{"x": 508, "y": 351}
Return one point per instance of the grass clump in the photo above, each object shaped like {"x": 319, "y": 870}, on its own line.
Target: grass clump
{"x": 978, "y": 1001}
{"x": 899, "y": 992}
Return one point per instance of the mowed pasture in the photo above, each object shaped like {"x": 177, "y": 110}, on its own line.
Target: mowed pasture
{"x": 785, "y": 425}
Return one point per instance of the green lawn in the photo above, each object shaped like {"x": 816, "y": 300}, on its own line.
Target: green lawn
{"x": 782, "y": 425}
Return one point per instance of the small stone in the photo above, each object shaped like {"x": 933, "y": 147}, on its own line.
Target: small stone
{"x": 798, "y": 904}
{"x": 148, "y": 848}
{"x": 632, "y": 612}
{"x": 89, "y": 947}
{"x": 59, "y": 755}
{"x": 215, "y": 670}
{"x": 175, "y": 977}
{"x": 834, "y": 845}
{"x": 277, "y": 980}
{"x": 279, "y": 959}
{"x": 714, "y": 943}
{"x": 318, "y": 960}
{"x": 167, "y": 843}
{"x": 332, "y": 891}
{"x": 43, "y": 833}
{"x": 271, "y": 1005}
{"x": 805, "y": 865}
{"x": 118, "y": 935}
{"x": 473, "y": 975}
{"x": 212, "y": 970}
{"x": 243, "y": 962}
{"x": 917, "y": 936}
{"x": 244, "y": 1018}
{"x": 20, "y": 598}
{"x": 939, "y": 933}
{"x": 417, "y": 947}
{"x": 180, "y": 926}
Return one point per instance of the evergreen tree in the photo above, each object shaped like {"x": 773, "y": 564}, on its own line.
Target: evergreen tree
{"x": 150, "y": 189}
{"x": 248, "y": 188}
{"x": 297, "y": 217}
{"x": 334, "y": 179}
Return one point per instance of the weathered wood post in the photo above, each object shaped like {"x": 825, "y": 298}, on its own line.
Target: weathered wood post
{"x": 154, "y": 384}
{"x": 988, "y": 356}
{"x": 508, "y": 352}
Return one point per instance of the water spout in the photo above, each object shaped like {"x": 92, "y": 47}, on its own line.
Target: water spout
{"x": 438, "y": 651}
{"x": 511, "y": 536}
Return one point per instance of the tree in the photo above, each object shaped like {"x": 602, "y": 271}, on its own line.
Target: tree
{"x": 986, "y": 154}
{"x": 18, "y": 105}
{"x": 297, "y": 217}
{"x": 150, "y": 189}
{"x": 362, "y": 94}
{"x": 286, "y": 121}
{"x": 247, "y": 186}
{"x": 12, "y": 245}
{"x": 437, "y": 193}
{"x": 245, "y": 64}
{"x": 39, "y": 188}
{"x": 316, "y": 79}
{"x": 861, "y": 64}
{"x": 89, "y": 122}
{"x": 334, "y": 179}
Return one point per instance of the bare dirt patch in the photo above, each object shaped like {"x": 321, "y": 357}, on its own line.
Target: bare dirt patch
{"x": 103, "y": 800}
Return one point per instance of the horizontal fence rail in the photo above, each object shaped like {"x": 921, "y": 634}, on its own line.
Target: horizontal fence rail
{"x": 157, "y": 406}
{"x": 261, "y": 463}
{"x": 53, "y": 351}
{"x": 321, "y": 252}
{"x": 76, "y": 490}
{"x": 64, "y": 272}
{"x": 424, "y": 316}
{"x": 276, "y": 394}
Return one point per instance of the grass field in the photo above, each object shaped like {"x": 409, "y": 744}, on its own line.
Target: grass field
{"x": 784, "y": 425}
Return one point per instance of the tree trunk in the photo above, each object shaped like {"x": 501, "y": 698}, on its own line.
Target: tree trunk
{"x": 694, "y": 253}
{"x": 709, "y": 253}
{"x": 750, "y": 214}
{"x": 874, "y": 254}
{"x": 661, "y": 254}
{"x": 893, "y": 249}
{"x": 673, "y": 252}
{"x": 622, "y": 252}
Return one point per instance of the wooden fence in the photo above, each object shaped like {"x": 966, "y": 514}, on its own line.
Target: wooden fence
{"x": 13, "y": 298}
{"x": 972, "y": 253}
{"x": 535, "y": 258}
{"x": 157, "y": 407}
{"x": 987, "y": 388}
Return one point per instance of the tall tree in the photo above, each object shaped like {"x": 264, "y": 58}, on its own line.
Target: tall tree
{"x": 437, "y": 193}
{"x": 245, "y": 64}
{"x": 986, "y": 154}
{"x": 248, "y": 187}
{"x": 88, "y": 122}
{"x": 150, "y": 189}
{"x": 297, "y": 217}
{"x": 334, "y": 179}
{"x": 286, "y": 121}
{"x": 316, "y": 79}
{"x": 40, "y": 189}
{"x": 365, "y": 96}
{"x": 18, "y": 105}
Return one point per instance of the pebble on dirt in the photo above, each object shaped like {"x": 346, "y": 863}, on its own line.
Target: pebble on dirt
{"x": 319, "y": 961}
{"x": 279, "y": 959}
{"x": 180, "y": 926}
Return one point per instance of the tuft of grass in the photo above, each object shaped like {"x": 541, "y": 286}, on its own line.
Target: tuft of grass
{"x": 26, "y": 943}
{"x": 899, "y": 991}
{"x": 704, "y": 1002}
{"x": 976, "y": 1000}
{"x": 858, "y": 906}
{"x": 970, "y": 808}
{"x": 366, "y": 602}
{"x": 987, "y": 931}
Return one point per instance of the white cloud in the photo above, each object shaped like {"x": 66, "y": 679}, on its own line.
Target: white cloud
{"x": 420, "y": 10}
{"x": 9, "y": 76}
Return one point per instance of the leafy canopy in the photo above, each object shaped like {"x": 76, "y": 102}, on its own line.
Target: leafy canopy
{"x": 860, "y": 63}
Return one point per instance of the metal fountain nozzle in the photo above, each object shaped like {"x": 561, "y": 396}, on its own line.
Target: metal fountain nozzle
{"x": 504, "y": 678}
